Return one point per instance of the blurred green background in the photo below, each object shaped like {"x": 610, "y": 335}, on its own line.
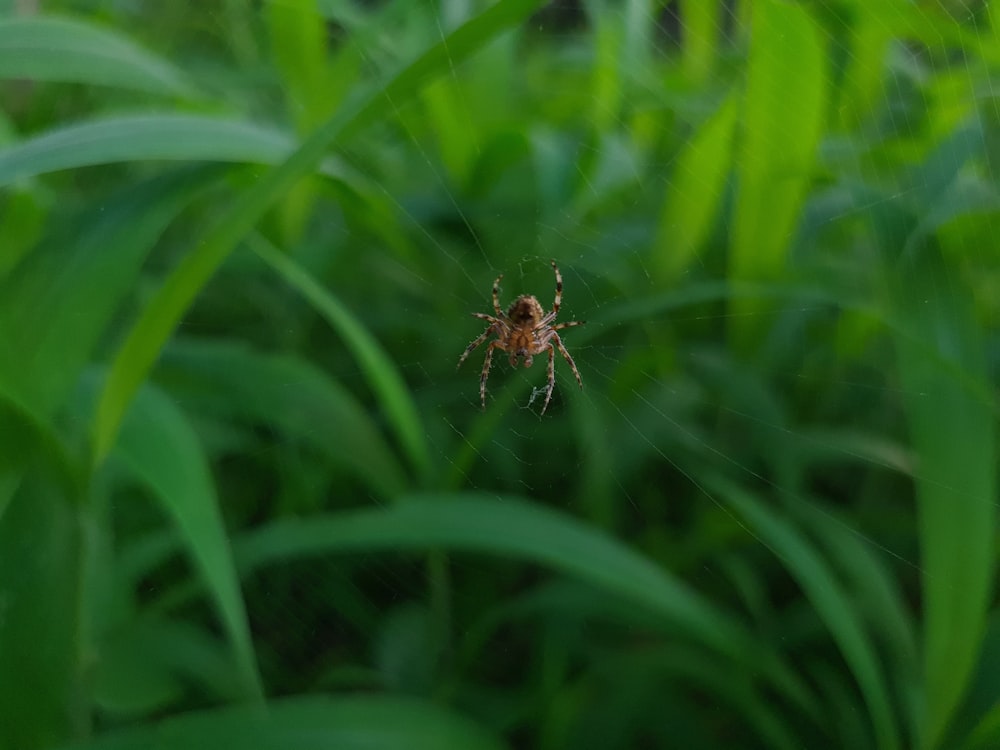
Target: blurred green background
{"x": 246, "y": 500}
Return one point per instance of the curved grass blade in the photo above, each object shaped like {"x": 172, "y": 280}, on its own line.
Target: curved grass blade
{"x": 879, "y": 599}
{"x": 691, "y": 669}
{"x": 162, "y": 450}
{"x": 566, "y": 600}
{"x": 695, "y": 192}
{"x": 512, "y": 528}
{"x": 709, "y": 291}
{"x": 148, "y": 663}
{"x": 57, "y": 303}
{"x": 47, "y": 48}
{"x": 354, "y": 723}
{"x": 378, "y": 368}
{"x": 166, "y": 136}
{"x": 831, "y": 601}
{"x": 27, "y": 443}
{"x": 289, "y": 395}
{"x": 162, "y": 314}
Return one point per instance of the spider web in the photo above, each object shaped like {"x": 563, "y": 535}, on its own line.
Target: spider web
{"x": 666, "y": 402}
{"x": 662, "y": 393}
{"x": 607, "y": 345}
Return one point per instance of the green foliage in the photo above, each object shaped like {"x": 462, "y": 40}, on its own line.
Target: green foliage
{"x": 246, "y": 500}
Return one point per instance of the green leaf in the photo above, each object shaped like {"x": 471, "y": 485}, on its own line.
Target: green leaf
{"x": 57, "y": 303}
{"x": 47, "y": 48}
{"x": 147, "y": 665}
{"x": 28, "y": 444}
{"x": 978, "y": 722}
{"x": 703, "y": 28}
{"x": 862, "y": 85}
{"x": 162, "y": 314}
{"x": 350, "y": 723}
{"x": 166, "y": 136}
{"x": 782, "y": 122}
{"x": 131, "y": 679}
{"x": 643, "y": 308}
{"x": 289, "y": 395}
{"x": 878, "y": 596}
{"x": 832, "y": 603}
{"x": 161, "y": 449}
{"x": 606, "y": 85}
{"x": 378, "y": 368}
{"x": 695, "y": 192}
{"x": 458, "y": 144}
{"x": 22, "y": 219}
{"x": 987, "y": 733}
{"x": 298, "y": 41}
{"x": 41, "y": 549}
{"x": 944, "y": 376}
{"x": 691, "y": 671}
{"x": 509, "y": 527}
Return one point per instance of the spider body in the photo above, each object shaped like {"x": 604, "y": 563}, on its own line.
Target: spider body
{"x": 525, "y": 313}
{"x": 524, "y": 331}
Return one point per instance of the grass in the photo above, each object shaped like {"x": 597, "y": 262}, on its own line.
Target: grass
{"x": 246, "y": 498}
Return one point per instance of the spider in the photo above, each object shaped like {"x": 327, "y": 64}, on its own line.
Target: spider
{"x": 523, "y": 331}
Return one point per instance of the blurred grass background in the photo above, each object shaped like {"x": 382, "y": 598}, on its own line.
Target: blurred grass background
{"x": 247, "y": 501}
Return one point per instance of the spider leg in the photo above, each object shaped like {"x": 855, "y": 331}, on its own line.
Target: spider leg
{"x": 558, "y": 300}
{"x": 486, "y": 370}
{"x": 572, "y": 364}
{"x": 552, "y": 377}
{"x": 476, "y": 342}
{"x": 544, "y": 322}
{"x": 484, "y": 316}
{"x": 568, "y": 324}
{"x": 496, "y": 297}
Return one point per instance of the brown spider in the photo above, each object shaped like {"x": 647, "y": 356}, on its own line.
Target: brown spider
{"x": 523, "y": 331}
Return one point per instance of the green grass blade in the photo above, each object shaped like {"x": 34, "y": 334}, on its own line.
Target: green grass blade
{"x": 986, "y": 735}
{"x": 782, "y": 121}
{"x": 148, "y": 663}
{"x": 863, "y": 77}
{"x": 28, "y": 444}
{"x": 352, "y": 723}
{"x": 954, "y": 436}
{"x": 512, "y": 528}
{"x": 41, "y": 553}
{"x": 832, "y": 602}
{"x": 695, "y": 192}
{"x": 165, "y": 136}
{"x": 162, "y": 450}
{"x": 703, "y": 32}
{"x": 56, "y": 305}
{"x": 379, "y": 369}
{"x": 60, "y": 49}
{"x": 22, "y": 221}
{"x": 878, "y": 597}
{"x": 288, "y": 395}
{"x": 606, "y": 84}
{"x": 162, "y": 314}
{"x": 298, "y": 42}
{"x": 643, "y": 308}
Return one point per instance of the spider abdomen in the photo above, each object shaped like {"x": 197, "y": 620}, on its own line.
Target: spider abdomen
{"x": 525, "y": 312}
